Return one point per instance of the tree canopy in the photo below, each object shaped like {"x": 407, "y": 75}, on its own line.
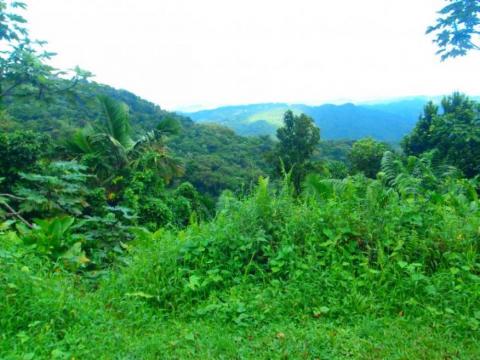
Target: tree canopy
{"x": 366, "y": 156}
{"x": 454, "y": 132}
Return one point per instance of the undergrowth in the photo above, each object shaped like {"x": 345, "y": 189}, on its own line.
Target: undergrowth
{"x": 353, "y": 268}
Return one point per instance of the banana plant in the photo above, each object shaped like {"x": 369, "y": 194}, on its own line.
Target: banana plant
{"x": 54, "y": 238}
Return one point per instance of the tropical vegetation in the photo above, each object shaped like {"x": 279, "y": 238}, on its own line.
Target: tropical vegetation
{"x": 129, "y": 232}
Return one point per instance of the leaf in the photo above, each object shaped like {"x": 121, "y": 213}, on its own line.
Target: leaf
{"x": 59, "y": 354}
{"x": 190, "y": 337}
{"x": 117, "y": 124}
{"x": 328, "y": 233}
{"x": 139, "y": 294}
{"x": 194, "y": 282}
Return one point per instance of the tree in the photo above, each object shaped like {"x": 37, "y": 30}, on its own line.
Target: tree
{"x": 457, "y": 29}
{"x": 11, "y": 24}
{"x": 298, "y": 139}
{"x": 454, "y": 132}
{"x": 109, "y": 148}
{"x": 366, "y": 156}
{"x": 23, "y": 68}
{"x": 420, "y": 139}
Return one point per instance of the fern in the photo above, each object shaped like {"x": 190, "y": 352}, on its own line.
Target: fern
{"x": 324, "y": 189}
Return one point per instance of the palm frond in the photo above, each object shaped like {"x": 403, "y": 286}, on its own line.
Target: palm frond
{"x": 117, "y": 123}
{"x": 80, "y": 142}
{"x": 110, "y": 149}
{"x": 169, "y": 126}
{"x": 158, "y": 158}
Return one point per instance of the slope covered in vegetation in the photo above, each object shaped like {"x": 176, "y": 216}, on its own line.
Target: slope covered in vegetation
{"x": 215, "y": 158}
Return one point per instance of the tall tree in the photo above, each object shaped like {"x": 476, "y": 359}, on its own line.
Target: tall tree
{"x": 298, "y": 139}
{"x": 457, "y": 29}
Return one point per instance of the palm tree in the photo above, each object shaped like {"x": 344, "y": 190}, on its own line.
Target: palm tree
{"x": 109, "y": 147}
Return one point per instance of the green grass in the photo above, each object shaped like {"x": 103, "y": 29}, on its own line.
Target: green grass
{"x": 66, "y": 320}
{"x": 134, "y": 332}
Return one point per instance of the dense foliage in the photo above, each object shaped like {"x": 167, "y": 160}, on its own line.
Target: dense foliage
{"x": 134, "y": 265}
{"x": 107, "y": 249}
{"x": 272, "y": 275}
{"x": 454, "y": 132}
{"x": 216, "y": 158}
{"x": 366, "y": 156}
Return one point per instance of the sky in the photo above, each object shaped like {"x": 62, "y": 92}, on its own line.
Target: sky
{"x": 191, "y": 54}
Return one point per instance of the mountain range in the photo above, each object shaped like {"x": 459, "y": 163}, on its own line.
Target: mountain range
{"x": 388, "y": 121}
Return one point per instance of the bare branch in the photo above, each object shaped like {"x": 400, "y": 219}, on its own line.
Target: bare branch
{"x": 17, "y": 215}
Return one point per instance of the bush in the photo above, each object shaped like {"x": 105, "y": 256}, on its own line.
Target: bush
{"x": 357, "y": 248}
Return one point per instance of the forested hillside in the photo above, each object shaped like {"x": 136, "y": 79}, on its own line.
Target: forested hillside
{"x": 214, "y": 157}
{"x": 67, "y": 111}
{"x": 130, "y": 232}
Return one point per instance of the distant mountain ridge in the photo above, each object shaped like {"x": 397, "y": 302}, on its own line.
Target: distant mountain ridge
{"x": 387, "y": 121}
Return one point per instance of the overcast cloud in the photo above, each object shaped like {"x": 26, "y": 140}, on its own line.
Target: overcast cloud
{"x": 184, "y": 53}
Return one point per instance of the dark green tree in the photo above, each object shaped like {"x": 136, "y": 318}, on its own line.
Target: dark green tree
{"x": 457, "y": 29}
{"x": 421, "y": 140}
{"x": 366, "y": 156}
{"x": 298, "y": 139}
{"x": 454, "y": 132}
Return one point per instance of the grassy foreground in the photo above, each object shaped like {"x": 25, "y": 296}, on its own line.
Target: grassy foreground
{"x": 353, "y": 269}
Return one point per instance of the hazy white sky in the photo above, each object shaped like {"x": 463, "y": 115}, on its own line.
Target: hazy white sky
{"x": 182, "y": 53}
